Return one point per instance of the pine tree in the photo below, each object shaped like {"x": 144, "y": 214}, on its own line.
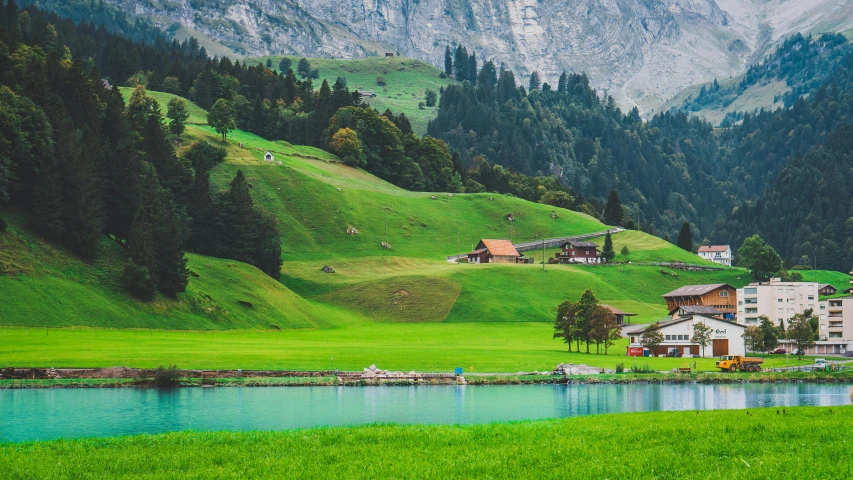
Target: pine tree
{"x": 472, "y": 69}
{"x": 535, "y": 83}
{"x": 448, "y": 61}
{"x": 240, "y": 221}
{"x": 171, "y": 261}
{"x": 267, "y": 255}
{"x": 141, "y": 274}
{"x": 460, "y": 64}
{"x": 608, "y": 253}
{"x": 563, "y": 83}
{"x": 613, "y": 210}
{"x": 685, "y": 237}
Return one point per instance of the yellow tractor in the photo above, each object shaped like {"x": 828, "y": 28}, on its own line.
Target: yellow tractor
{"x": 733, "y": 363}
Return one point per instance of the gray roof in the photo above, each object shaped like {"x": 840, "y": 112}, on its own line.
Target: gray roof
{"x": 697, "y": 309}
{"x": 581, "y": 244}
{"x": 667, "y": 323}
{"x": 694, "y": 290}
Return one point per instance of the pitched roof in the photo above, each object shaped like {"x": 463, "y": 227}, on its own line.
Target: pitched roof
{"x": 697, "y": 309}
{"x": 500, "y": 247}
{"x": 824, "y": 285}
{"x": 713, "y": 248}
{"x": 694, "y": 290}
{"x": 616, "y": 311}
{"x": 667, "y": 323}
{"x": 477, "y": 251}
{"x": 581, "y": 244}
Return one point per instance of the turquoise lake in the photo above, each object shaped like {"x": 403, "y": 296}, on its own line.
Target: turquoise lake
{"x": 40, "y": 414}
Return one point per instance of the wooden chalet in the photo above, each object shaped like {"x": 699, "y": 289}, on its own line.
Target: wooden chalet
{"x": 721, "y": 296}
{"x": 826, "y": 290}
{"x": 494, "y": 251}
{"x": 619, "y": 314}
{"x": 574, "y": 251}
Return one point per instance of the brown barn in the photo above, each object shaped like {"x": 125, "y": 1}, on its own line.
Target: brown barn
{"x": 721, "y": 296}
{"x": 494, "y": 251}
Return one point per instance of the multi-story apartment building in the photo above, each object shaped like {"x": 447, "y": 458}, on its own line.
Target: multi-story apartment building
{"x": 777, "y": 300}
{"x": 721, "y": 254}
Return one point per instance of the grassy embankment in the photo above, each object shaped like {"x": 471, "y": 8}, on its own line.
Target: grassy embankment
{"x": 805, "y": 442}
{"x": 406, "y": 82}
{"x": 492, "y": 317}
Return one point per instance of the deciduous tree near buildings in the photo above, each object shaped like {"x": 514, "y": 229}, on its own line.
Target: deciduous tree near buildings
{"x": 652, "y": 337}
{"x": 702, "y": 334}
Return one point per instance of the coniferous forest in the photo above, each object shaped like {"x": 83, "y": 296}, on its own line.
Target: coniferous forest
{"x": 70, "y": 147}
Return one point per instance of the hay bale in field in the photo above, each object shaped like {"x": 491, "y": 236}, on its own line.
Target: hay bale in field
{"x": 328, "y": 269}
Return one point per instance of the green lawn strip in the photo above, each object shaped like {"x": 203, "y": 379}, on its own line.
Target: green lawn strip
{"x": 805, "y": 442}
{"x": 430, "y": 347}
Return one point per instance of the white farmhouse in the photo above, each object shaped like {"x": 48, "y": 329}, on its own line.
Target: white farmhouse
{"x": 721, "y": 254}
{"x": 727, "y": 338}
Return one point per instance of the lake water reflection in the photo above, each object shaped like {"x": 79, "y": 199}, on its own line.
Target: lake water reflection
{"x": 37, "y": 414}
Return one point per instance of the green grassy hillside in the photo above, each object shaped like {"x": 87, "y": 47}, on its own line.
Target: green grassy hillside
{"x": 404, "y": 307}
{"x": 43, "y": 285}
{"x": 406, "y": 82}
{"x": 197, "y": 114}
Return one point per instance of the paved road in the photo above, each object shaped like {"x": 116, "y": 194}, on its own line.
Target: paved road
{"x": 549, "y": 242}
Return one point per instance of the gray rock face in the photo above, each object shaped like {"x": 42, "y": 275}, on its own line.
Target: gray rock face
{"x": 641, "y": 51}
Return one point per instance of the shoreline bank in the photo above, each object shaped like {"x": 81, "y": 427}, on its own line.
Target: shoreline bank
{"x": 145, "y": 379}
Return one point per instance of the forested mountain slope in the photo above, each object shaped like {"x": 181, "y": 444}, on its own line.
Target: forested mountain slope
{"x": 798, "y": 67}
{"x": 641, "y": 51}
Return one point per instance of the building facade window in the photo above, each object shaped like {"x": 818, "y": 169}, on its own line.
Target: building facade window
{"x": 750, "y": 291}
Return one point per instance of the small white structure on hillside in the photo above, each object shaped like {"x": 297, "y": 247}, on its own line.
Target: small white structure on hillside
{"x": 721, "y": 254}
{"x": 269, "y": 157}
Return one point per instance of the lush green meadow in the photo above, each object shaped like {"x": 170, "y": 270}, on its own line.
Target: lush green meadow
{"x": 198, "y": 115}
{"x": 437, "y": 347}
{"x": 403, "y": 307}
{"x": 406, "y": 82}
{"x": 807, "y": 442}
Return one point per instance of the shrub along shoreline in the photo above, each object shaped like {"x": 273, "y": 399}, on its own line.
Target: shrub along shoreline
{"x": 523, "y": 379}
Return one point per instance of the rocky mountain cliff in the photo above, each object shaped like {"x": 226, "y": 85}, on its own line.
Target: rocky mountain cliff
{"x": 641, "y": 51}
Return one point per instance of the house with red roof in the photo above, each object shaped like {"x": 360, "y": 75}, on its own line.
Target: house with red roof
{"x": 494, "y": 251}
{"x": 721, "y": 254}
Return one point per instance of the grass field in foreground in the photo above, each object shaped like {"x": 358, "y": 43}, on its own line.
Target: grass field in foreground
{"x": 437, "y": 347}
{"x": 807, "y": 442}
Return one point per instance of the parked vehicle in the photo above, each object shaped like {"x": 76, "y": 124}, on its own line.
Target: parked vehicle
{"x": 779, "y": 351}
{"x": 798, "y": 352}
{"x": 673, "y": 353}
{"x": 733, "y": 363}
{"x": 820, "y": 362}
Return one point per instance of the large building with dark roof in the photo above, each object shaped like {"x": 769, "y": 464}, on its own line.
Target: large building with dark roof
{"x": 721, "y": 296}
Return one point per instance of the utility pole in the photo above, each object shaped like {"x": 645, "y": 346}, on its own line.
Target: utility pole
{"x": 543, "y": 253}
{"x": 386, "y": 222}
{"x": 457, "y": 247}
